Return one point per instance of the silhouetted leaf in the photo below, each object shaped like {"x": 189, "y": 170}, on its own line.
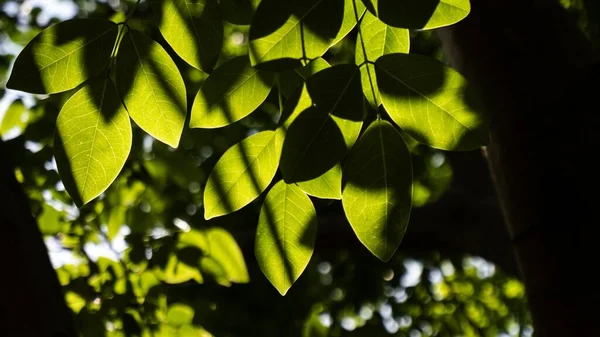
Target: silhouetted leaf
{"x": 238, "y": 12}
{"x": 376, "y": 39}
{"x": 242, "y": 174}
{"x": 286, "y": 233}
{"x": 193, "y": 28}
{"x": 427, "y": 100}
{"x": 290, "y": 80}
{"x": 378, "y": 189}
{"x": 63, "y": 56}
{"x": 152, "y": 87}
{"x": 230, "y": 93}
{"x": 322, "y": 134}
{"x": 419, "y": 14}
{"x": 326, "y": 186}
{"x": 93, "y": 140}
{"x": 285, "y": 32}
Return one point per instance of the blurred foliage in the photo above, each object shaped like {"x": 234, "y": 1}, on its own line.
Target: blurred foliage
{"x": 142, "y": 261}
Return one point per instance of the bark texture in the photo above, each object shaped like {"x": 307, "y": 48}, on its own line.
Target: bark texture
{"x": 538, "y": 79}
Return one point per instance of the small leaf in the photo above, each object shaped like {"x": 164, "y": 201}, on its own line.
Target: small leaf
{"x": 175, "y": 271}
{"x": 242, "y": 174}
{"x": 430, "y": 101}
{"x": 376, "y": 39}
{"x": 93, "y": 140}
{"x": 290, "y": 80}
{"x": 284, "y": 33}
{"x": 286, "y": 234}
{"x": 419, "y": 14}
{"x": 326, "y": 186}
{"x": 322, "y": 134}
{"x": 193, "y": 28}
{"x": 230, "y": 93}
{"x": 15, "y": 117}
{"x": 225, "y": 251}
{"x": 152, "y": 87}
{"x": 63, "y": 56}
{"x": 378, "y": 189}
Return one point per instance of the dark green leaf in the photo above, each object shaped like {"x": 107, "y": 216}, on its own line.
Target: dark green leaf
{"x": 419, "y": 14}
{"x": 290, "y": 80}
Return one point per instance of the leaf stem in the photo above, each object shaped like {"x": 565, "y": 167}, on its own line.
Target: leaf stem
{"x": 131, "y": 12}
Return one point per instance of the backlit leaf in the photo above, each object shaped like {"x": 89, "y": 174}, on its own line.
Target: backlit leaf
{"x": 322, "y": 134}
{"x": 419, "y": 14}
{"x": 152, "y": 87}
{"x": 378, "y": 189}
{"x": 326, "y": 186}
{"x": 376, "y": 39}
{"x": 14, "y": 118}
{"x": 430, "y": 101}
{"x": 225, "y": 251}
{"x": 291, "y": 79}
{"x": 63, "y": 56}
{"x": 285, "y": 32}
{"x": 230, "y": 93}
{"x": 242, "y": 174}
{"x": 193, "y": 28}
{"x": 286, "y": 233}
{"x": 93, "y": 140}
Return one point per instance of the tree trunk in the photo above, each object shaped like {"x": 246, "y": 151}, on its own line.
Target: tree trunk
{"x": 32, "y": 300}
{"x": 534, "y": 70}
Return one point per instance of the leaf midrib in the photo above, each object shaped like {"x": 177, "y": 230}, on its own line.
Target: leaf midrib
{"x": 385, "y": 182}
{"x": 87, "y": 168}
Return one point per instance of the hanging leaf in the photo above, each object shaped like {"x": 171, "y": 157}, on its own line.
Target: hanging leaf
{"x": 93, "y": 140}
{"x": 225, "y": 251}
{"x": 378, "y": 189}
{"x": 286, "y": 234}
{"x": 298, "y": 102}
{"x": 238, "y": 12}
{"x": 242, "y": 174}
{"x": 326, "y": 186}
{"x": 322, "y": 134}
{"x": 284, "y": 33}
{"x": 430, "y": 101}
{"x": 193, "y": 28}
{"x": 152, "y": 87}
{"x": 419, "y": 14}
{"x": 15, "y": 117}
{"x": 290, "y": 80}
{"x": 376, "y": 39}
{"x": 230, "y": 93}
{"x": 63, "y": 56}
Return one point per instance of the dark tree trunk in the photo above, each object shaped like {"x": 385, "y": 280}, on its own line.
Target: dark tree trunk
{"x": 538, "y": 80}
{"x": 32, "y": 299}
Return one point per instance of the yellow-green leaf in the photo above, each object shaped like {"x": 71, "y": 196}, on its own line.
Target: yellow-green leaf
{"x": 242, "y": 174}
{"x": 286, "y": 233}
{"x": 326, "y": 186}
{"x": 225, "y": 251}
{"x": 230, "y": 93}
{"x": 430, "y": 101}
{"x": 92, "y": 140}
{"x": 378, "y": 189}
{"x": 419, "y": 14}
{"x": 152, "y": 87}
{"x": 63, "y": 56}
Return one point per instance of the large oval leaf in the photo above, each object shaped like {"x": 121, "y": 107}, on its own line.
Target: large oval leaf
{"x": 230, "y": 93}
{"x": 242, "y": 174}
{"x": 63, "y": 56}
{"x": 326, "y": 186}
{"x": 322, "y": 134}
{"x": 285, "y": 32}
{"x": 193, "y": 28}
{"x": 430, "y": 101}
{"x": 285, "y": 237}
{"x": 419, "y": 14}
{"x": 225, "y": 251}
{"x": 152, "y": 87}
{"x": 378, "y": 189}
{"x": 290, "y": 80}
{"x": 92, "y": 140}
{"x": 374, "y": 40}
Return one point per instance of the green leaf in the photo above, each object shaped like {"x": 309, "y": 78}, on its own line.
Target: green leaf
{"x": 286, "y": 233}
{"x": 238, "y": 12}
{"x": 322, "y": 134}
{"x": 225, "y": 251}
{"x": 298, "y": 102}
{"x": 50, "y": 220}
{"x": 180, "y": 314}
{"x": 284, "y": 33}
{"x": 92, "y": 140}
{"x": 419, "y": 14}
{"x": 175, "y": 271}
{"x": 378, "y": 189}
{"x": 374, "y": 40}
{"x": 430, "y": 101}
{"x": 326, "y": 186}
{"x": 290, "y": 80}
{"x": 193, "y": 28}
{"x": 230, "y": 93}
{"x": 242, "y": 174}
{"x": 152, "y": 87}
{"x": 14, "y": 118}
{"x": 63, "y": 56}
